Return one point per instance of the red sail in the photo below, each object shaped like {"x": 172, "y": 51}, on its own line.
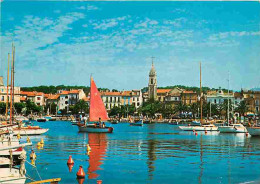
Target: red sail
{"x": 97, "y": 108}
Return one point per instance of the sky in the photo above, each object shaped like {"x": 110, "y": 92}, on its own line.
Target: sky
{"x": 65, "y": 42}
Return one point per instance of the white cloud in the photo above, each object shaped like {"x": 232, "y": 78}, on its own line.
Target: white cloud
{"x": 108, "y": 23}
{"x": 88, "y": 7}
{"x": 176, "y": 22}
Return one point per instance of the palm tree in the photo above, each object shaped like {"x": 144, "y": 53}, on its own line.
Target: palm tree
{"x": 242, "y": 108}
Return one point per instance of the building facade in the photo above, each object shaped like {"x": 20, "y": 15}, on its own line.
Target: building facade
{"x": 218, "y": 96}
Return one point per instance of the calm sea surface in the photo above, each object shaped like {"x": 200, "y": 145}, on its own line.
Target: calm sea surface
{"x": 156, "y": 153}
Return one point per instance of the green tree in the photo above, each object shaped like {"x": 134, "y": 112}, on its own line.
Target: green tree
{"x": 2, "y": 108}
{"x": 194, "y": 109}
{"x": 80, "y": 107}
{"x": 32, "y": 107}
{"x": 241, "y": 108}
{"x": 19, "y": 107}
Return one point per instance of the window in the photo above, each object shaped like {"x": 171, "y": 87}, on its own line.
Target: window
{"x": 38, "y": 98}
{"x": 38, "y": 103}
{"x": 2, "y": 90}
{"x": 215, "y": 101}
{"x": 257, "y": 102}
{"x": 106, "y": 99}
{"x": 110, "y": 100}
{"x": 151, "y": 81}
{"x": 115, "y": 99}
{"x": 2, "y": 98}
{"x": 257, "y": 109}
{"x": 138, "y": 104}
{"x": 66, "y": 102}
{"x": 66, "y": 97}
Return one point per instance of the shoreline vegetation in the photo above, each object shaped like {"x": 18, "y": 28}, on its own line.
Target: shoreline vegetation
{"x": 53, "y": 89}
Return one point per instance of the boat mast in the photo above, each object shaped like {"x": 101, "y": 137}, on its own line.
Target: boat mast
{"x": 228, "y": 101}
{"x": 7, "y": 92}
{"x": 200, "y": 97}
{"x": 11, "y": 87}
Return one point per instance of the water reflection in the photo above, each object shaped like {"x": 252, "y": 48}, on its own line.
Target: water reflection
{"x": 98, "y": 145}
{"x": 151, "y": 153}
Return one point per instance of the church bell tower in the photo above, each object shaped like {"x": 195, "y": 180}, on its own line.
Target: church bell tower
{"x": 152, "y": 86}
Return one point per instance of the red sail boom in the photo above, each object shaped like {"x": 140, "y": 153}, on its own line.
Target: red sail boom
{"x": 97, "y": 108}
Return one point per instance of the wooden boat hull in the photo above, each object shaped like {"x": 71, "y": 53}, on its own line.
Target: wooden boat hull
{"x": 198, "y": 128}
{"x": 12, "y": 176}
{"x": 28, "y": 131}
{"x": 92, "y": 129}
{"x": 231, "y": 129}
{"x": 254, "y": 131}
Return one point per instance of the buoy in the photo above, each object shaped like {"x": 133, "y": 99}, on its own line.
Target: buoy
{"x": 196, "y": 133}
{"x": 42, "y": 141}
{"x": 81, "y": 181}
{"x": 193, "y": 130}
{"x": 206, "y": 132}
{"x": 28, "y": 140}
{"x": 70, "y": 161}
{"x": 88, "y": 148}
{"x": 99, "y": 181}
{"x": 246, "y": 134}
{"x": 80, "y": 173}
{"x": 18, "y": 136}
{"x": 70, "y": 166}
{"x": 32, "y": 155}
{"x": 33, "y": 162}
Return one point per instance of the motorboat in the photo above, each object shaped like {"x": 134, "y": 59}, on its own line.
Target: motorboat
{"x": 253, "y": 131}
{"x": 232, "y": 128}
{"x": 209, "y": 127}
{"x": 137, "y": 123}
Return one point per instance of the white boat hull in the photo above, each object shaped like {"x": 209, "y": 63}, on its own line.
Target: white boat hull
{"x": 11, "y": 177}
{"x": 95, "y": 129}
{"x": 254, "y": 131}
{"x": 232, "y": 129}
{"x": 198, "y": 128}
{"x": 30, "y": 131}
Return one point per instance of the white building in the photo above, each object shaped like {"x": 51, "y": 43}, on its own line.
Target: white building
{"x": 218, "y": 97}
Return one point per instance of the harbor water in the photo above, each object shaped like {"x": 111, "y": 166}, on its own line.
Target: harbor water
{"x": 154, "y": 153}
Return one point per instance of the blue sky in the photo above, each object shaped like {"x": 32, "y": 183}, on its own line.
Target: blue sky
{"x": 64, "y": 42}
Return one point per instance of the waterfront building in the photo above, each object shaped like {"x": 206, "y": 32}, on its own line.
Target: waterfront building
{"x": 152, "y": 85}
{"x": 3, "y": 92}
{"x": 126, "y": 98}
{"x": 252, "y": 99}
{"x": 75, "y": 95}
{"x": 238, "y": 97}
{"x": 51, "y": 98}
{"x": 111, "y": 99}
{"x": 34, "y": 96}
{"x": 137, "y": 98}
{"x": 162, "y": 93}
{"x": 63, "y": 100}
{"x": 218, "y": 96}
{"x": 71, "y": 97}
{"x": 173, "y": 97}
{"x": 189, "y": 97}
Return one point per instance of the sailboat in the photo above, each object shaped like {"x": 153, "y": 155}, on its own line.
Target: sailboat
{"x": 231, "y": 128}
{"x": 97, "y": 113}
{"x": 202, "y": 127}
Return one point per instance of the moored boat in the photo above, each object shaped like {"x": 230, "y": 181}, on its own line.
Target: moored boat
{"x": 30, "y": 130}
{"x": 210, "y": 127}
{"x": 233, "y": 128}
{"x": 138, "y": 123}
{"x": 11, "y": 176}
{"x": 41, "y": 119}
{"x": 253, "y": 131}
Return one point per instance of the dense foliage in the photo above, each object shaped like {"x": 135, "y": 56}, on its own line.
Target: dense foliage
{"x": 54, "y": 89}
